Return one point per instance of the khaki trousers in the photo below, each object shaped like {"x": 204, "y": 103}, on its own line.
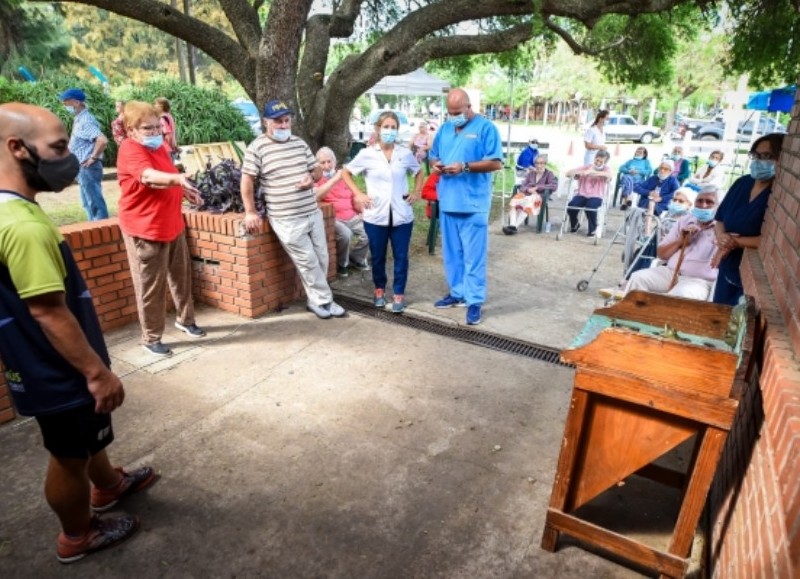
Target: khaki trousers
{"x": 155, "y": 265}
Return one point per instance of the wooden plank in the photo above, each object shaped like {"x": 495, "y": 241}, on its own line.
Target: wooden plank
{"x": 717, "y": 411}
{"x": 665, "y": 361}
{"x": 618, "y": 440}
{"x": 685, "y": 315}
{"x": 617, "y": 544}
{"x": 696, "y": 491}
{"x": 570, "y": 443}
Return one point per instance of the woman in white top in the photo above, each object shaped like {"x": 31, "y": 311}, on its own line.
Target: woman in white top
{"x": 711, "y": 173}
{"x": 594, "y": 139}
{"x": 388, "y": 212}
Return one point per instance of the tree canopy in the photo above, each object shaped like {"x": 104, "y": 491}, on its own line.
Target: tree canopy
{"x": 281, "y": 48}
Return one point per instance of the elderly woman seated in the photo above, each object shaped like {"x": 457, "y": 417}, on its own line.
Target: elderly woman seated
{"x": 534, "y": 191}
{"x": 631, "y": 173}
{"x": 711, "y": 173}
{"x": 686, "y": 251}
{"x": 592, "y": 185}
{"x": 658, "y": 189}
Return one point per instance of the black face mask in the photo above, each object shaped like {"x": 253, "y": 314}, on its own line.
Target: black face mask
{"x": 49, "y": 175}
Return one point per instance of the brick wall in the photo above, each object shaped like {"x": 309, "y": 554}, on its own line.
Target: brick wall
{"x": 6, "y": 410}
{"x": 100, "y": 254}
{"x": 755, "y": 501}
{"x": 243, "y": 274}
{"x": 246, "y": 275}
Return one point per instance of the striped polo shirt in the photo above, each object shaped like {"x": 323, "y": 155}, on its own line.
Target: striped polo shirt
{"x": 279, "y": 167}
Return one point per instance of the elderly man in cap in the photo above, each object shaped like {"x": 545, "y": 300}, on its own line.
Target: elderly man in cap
{"x": 87, "y": 143}
{"x": 286, "y": 170}
{"x": 56, "y": 361}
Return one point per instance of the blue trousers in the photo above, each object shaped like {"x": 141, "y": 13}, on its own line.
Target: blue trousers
{"x": 591, "y": 216}
{"x": 89, "y": 179}
{"x": 465, "y": 241}
{"x": 379, "y": 237}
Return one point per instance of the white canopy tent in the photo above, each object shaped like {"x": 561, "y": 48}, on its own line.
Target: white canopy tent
{"x": 417, "y": 83}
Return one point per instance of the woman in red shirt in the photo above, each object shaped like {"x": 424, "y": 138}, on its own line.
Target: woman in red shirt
{"x": 152, "y": 226}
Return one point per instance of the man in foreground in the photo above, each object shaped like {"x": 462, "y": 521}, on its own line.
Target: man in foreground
{"x": 57, "y": 365}
{"x": 465, "y": 151}
{"x": 287, "y": 170}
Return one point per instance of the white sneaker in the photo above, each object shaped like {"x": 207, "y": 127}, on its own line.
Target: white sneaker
{"x": 320, "y": 311}
{"x": 335, "y": 310}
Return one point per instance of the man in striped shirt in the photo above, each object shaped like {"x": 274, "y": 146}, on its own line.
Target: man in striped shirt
{"x": 286, "y": 170}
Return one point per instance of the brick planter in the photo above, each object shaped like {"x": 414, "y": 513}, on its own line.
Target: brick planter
{"x": 244, "y": 274}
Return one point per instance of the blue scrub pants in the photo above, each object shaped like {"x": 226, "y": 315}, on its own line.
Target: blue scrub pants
{"x": 465, "y": 241}
{"x": 379, "y": 237}
{"x": 89, "y": 179}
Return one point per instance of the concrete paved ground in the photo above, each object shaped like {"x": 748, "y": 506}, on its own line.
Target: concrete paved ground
{"x": 293, "y": 447}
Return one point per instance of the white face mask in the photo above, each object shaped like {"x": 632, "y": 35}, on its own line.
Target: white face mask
{"x": 281, "y": 134}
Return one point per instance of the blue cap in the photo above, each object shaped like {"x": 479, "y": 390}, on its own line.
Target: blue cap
{"x": 72, "y": 93}
{"x": 276, "y": 109}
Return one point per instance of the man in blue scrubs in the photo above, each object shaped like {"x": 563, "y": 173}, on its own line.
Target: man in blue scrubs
{"x": 465, "y": 151}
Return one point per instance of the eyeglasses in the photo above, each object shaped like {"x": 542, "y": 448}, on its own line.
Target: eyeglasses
{"x": 152, "y": 129}
{"x": 761, "y": 156}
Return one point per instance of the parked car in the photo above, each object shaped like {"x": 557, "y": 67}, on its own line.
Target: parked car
{"x": 361, "y": 130}
{"x": 716, "y": 130}
{"x": 625, "y": 128}
{"x": 693, "y": 126}
{"x": 250, "y": 113}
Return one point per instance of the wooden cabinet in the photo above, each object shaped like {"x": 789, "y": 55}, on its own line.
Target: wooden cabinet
{"x": 651, "y": 372}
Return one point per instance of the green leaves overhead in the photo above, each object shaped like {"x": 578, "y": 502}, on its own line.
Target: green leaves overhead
{"x": 766, "y": 41}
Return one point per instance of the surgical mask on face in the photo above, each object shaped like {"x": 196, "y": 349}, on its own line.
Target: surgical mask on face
{"x": 49, "y": 175}
{"x": 153, "y": 142}
{"x": 761, "y": 170}
{"x": 458, "y": 120}
{"x": 388, "y": 136}
{"x": 712, "y": 163}
{"x": 328, "y": 174}
{"x": 281, "y": 134}
{"x": 663, "y": 175}
{"x": 702, "y": 214}
{"x": 638, "y": 157}
{"x": 534, "y": 146}
{"x": 677, "y": 208}
{"x": 70, "y": 109}
{"x": 675, "y": 156}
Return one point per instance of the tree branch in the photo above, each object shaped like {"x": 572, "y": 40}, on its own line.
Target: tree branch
{"x": 344, "y": 18}
{"x": 590, "y": 12}
{"x": 244, "y": 20}
{"x": 460, "y": 45}
{"x": 218, "y": 45}
{"x": 576, "y": 46}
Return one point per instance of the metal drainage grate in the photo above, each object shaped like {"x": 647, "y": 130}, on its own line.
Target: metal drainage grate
{"x": 462, "y": 334}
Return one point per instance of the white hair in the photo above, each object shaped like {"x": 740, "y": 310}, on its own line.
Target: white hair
{"x": 329, "y": 152}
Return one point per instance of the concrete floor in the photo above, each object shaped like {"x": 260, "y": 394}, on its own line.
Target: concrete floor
{"x": 294, "y": 447}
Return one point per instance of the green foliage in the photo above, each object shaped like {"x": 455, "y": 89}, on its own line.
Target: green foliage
{"x": 31, "y": 36}
{"x": 764, "y": 41}
{"x": 128, "y": 50}
{"x": 44, "y": 93}
{"x": 202, "y": 115}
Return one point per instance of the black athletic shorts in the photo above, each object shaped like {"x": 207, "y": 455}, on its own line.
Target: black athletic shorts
{"x": 76, "y": 433}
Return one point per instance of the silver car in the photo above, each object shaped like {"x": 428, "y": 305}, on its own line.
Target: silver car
{"x": 625, "y": 128}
